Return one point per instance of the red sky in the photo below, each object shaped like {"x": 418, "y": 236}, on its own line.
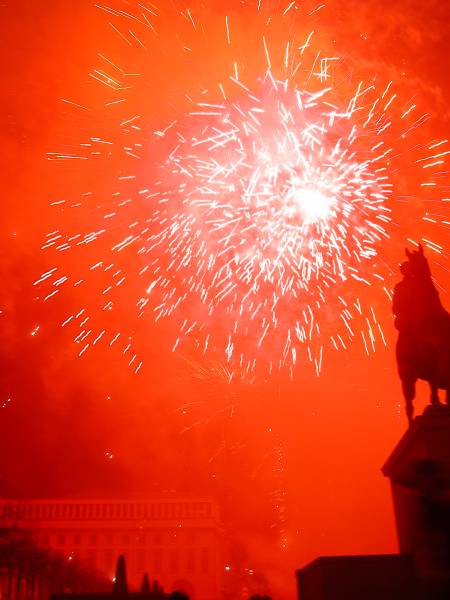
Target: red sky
{"x": 292, "y": 459}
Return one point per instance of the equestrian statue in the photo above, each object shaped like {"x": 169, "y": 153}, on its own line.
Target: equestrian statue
{"x": 423, "y": 324}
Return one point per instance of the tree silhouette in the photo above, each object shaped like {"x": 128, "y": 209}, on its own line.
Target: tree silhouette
{"x": 28, "y": 572}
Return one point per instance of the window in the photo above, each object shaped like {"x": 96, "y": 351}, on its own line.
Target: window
{"x": 61, "y": 539}
{"x": 172, "y": 535}
{"x": 109, "y": 560}
{"x": 125, "y": 538}
{"x": 192, "y": 536}
{"x": 140, "y": 560}
{"x": 173, "y": 561}
{"x": 158, "y": 563}
{"x": 109, "y": 539}
{"x": 190, "y": 562}
{"x": 77, "y": 539}
{"x": 93, "y": 539}
{"x": 205, "y": 560}
{"x": 158, "y": 538}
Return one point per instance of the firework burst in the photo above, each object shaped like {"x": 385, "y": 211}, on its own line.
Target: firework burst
{"x": 277, "y": 200}
{"x": 258, "y": 217}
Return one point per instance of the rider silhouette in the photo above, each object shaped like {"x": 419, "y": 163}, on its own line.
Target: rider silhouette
{"x": 403, "y": 305}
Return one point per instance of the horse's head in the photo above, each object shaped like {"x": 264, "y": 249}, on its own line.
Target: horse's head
{"x": 417, "y": 264}
{"x": 404, "y": 268}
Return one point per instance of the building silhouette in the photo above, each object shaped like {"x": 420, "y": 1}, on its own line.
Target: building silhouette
{"x": 176, "y": 540}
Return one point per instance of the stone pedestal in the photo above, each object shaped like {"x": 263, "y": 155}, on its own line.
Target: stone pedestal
{"x": 371, "y": 577}
{"x": 419, "y": 471}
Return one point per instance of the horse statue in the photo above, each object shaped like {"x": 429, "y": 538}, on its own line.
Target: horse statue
{"x": 423, "y": 324}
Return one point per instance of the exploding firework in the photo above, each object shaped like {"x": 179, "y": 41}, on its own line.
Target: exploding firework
{"x": 277, "y": 200}
{"x": 257, "y": 215}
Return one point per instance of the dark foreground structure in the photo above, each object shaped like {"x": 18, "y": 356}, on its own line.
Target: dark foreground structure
{"x": 377, "y": 577}
{"x": 418, "y": 468}
{"x": 419, "y": 472}
{"x": 149, "y": 591}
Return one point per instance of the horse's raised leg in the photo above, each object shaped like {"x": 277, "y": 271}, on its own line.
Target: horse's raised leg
{"x": 434, "y": 398}
{"x": 409, "y": 393}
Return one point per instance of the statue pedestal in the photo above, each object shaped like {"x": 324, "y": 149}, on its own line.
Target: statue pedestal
{"x": 419, "y": 471}
{"x": 370, "y": 577}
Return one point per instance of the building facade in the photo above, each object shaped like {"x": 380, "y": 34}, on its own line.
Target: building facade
{"x": 175, "y": 540}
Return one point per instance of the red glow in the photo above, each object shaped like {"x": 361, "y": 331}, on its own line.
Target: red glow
{"x": 293, "y": 463}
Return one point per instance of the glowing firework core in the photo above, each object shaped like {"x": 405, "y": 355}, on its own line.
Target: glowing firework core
{"x": 313, "y": 204}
